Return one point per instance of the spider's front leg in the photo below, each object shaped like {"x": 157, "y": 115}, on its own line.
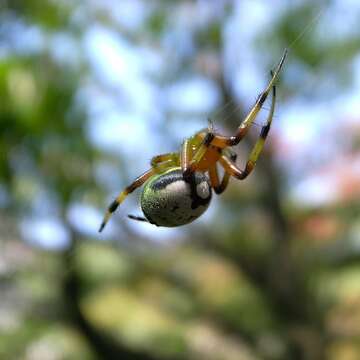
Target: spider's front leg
{"x": 225, "y": 141}
{"x": 231, "y": 168}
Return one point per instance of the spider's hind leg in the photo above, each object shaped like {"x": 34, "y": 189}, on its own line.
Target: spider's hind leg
{"x": 121, "y": 197}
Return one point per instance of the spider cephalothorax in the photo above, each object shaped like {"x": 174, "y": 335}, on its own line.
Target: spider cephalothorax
{"x": 177, "y": 189}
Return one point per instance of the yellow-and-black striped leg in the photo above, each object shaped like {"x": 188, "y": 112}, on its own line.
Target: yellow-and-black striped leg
{"x": 121, "y": 197}
{"x": 231, "y": 168}
{"x": 224, "y": 141}
{"x": 189, "y": 158}
{"x": 259, "y": 145}
{"x": 162, "y": 162}
{"x": 138, "y": 218}
{"x": 218, "y": 186}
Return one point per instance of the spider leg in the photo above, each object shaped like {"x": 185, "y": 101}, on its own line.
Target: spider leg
{"x": 121, "y": 197}
{"x": 218, "y": 186}
{"x": 164, "y": 161}
{"x": 137, "y": 218}
{"x": 224, "y": 141}
{"x": 230, "y": 167}
{"x": 259, "y": 145}
{"x": 188, "y": 158}
{"x": 185, "y": 155}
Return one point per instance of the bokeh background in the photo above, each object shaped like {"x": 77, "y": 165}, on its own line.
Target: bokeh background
{"x": 89, "y": 92}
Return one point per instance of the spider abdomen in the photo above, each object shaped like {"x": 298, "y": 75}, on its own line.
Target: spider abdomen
{"x": 169, "y": 200}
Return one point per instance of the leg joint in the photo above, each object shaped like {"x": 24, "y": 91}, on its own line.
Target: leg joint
{"x": 208, "y": 138}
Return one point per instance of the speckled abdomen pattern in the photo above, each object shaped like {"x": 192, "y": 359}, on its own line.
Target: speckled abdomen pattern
{"x": 168, "y": 200}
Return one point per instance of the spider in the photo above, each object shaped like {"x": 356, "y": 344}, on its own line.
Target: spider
{"x": 177, "y": 189}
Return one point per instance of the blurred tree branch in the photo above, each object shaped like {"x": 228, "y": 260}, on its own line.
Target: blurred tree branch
{"x": 103, "y": 344}
{"x": 283, "y": 277}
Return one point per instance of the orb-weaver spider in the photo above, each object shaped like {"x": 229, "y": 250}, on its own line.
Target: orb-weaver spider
{"x": 177, "y": 190}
